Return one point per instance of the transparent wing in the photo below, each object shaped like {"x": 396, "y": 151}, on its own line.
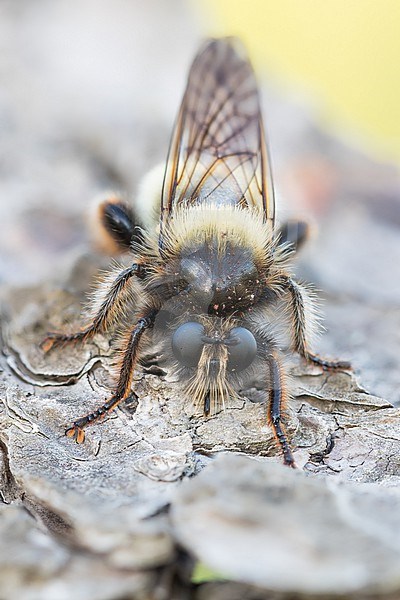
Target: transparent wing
{"x": 218, "y": 152}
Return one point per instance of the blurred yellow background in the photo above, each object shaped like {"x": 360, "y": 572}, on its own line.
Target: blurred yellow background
{"x": 346, "y": 52}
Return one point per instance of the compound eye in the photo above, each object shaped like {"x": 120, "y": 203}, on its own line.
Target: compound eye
{"x": 187, "y": 343}
{"x": 242, "y": 348}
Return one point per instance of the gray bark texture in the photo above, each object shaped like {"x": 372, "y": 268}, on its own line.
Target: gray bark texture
{"x": 157, "y": 491}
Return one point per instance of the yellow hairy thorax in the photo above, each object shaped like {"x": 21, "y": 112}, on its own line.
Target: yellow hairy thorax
{"x": 226, "y": 225}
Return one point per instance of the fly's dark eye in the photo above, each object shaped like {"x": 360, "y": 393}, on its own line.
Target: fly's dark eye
{"x": 242, "y": 348}
{"x": 187, "y": 343}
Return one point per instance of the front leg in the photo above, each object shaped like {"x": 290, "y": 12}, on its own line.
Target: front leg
{"x": 277, "y": 399}
{"x": 123, "y": 389}
{"x": 302, "y": 314}
{"x": 110, "y": 302}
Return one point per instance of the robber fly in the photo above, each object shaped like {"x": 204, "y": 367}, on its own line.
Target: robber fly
{"x": 205, "y": 277}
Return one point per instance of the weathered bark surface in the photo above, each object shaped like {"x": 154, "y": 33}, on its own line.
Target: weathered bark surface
{"x": 155, "y": 487}
{"x": 121, "y": 503}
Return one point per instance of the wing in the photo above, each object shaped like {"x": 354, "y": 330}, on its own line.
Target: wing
{"x": 218, "y": 152}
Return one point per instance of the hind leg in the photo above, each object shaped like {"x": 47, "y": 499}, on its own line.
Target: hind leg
{"x": 115, "y": 226}
{"x": 294, "y": 233}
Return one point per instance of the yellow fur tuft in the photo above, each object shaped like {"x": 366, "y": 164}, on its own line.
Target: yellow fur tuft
{"x": 228, "y": 224}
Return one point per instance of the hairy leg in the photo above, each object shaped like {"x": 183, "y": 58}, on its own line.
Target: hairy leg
{"x": 277, "y": 399}
{"x": 298, "y": 311}
{"x": 107, "y": 312}
{"x": 123, "y": 389}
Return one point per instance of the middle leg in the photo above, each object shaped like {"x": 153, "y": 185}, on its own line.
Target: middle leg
{"x": 303, "y": 321}
{"x": 112, "y": 300}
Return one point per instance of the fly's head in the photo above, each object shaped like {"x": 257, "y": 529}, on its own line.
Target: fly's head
{"x": 211, "y": 352}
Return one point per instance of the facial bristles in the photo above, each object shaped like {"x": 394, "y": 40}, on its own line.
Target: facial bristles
{"x": 210, "y": 380}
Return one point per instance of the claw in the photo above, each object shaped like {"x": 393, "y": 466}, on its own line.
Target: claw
{"x": 48, "y": 342}
{"x": 76, "y": 433}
